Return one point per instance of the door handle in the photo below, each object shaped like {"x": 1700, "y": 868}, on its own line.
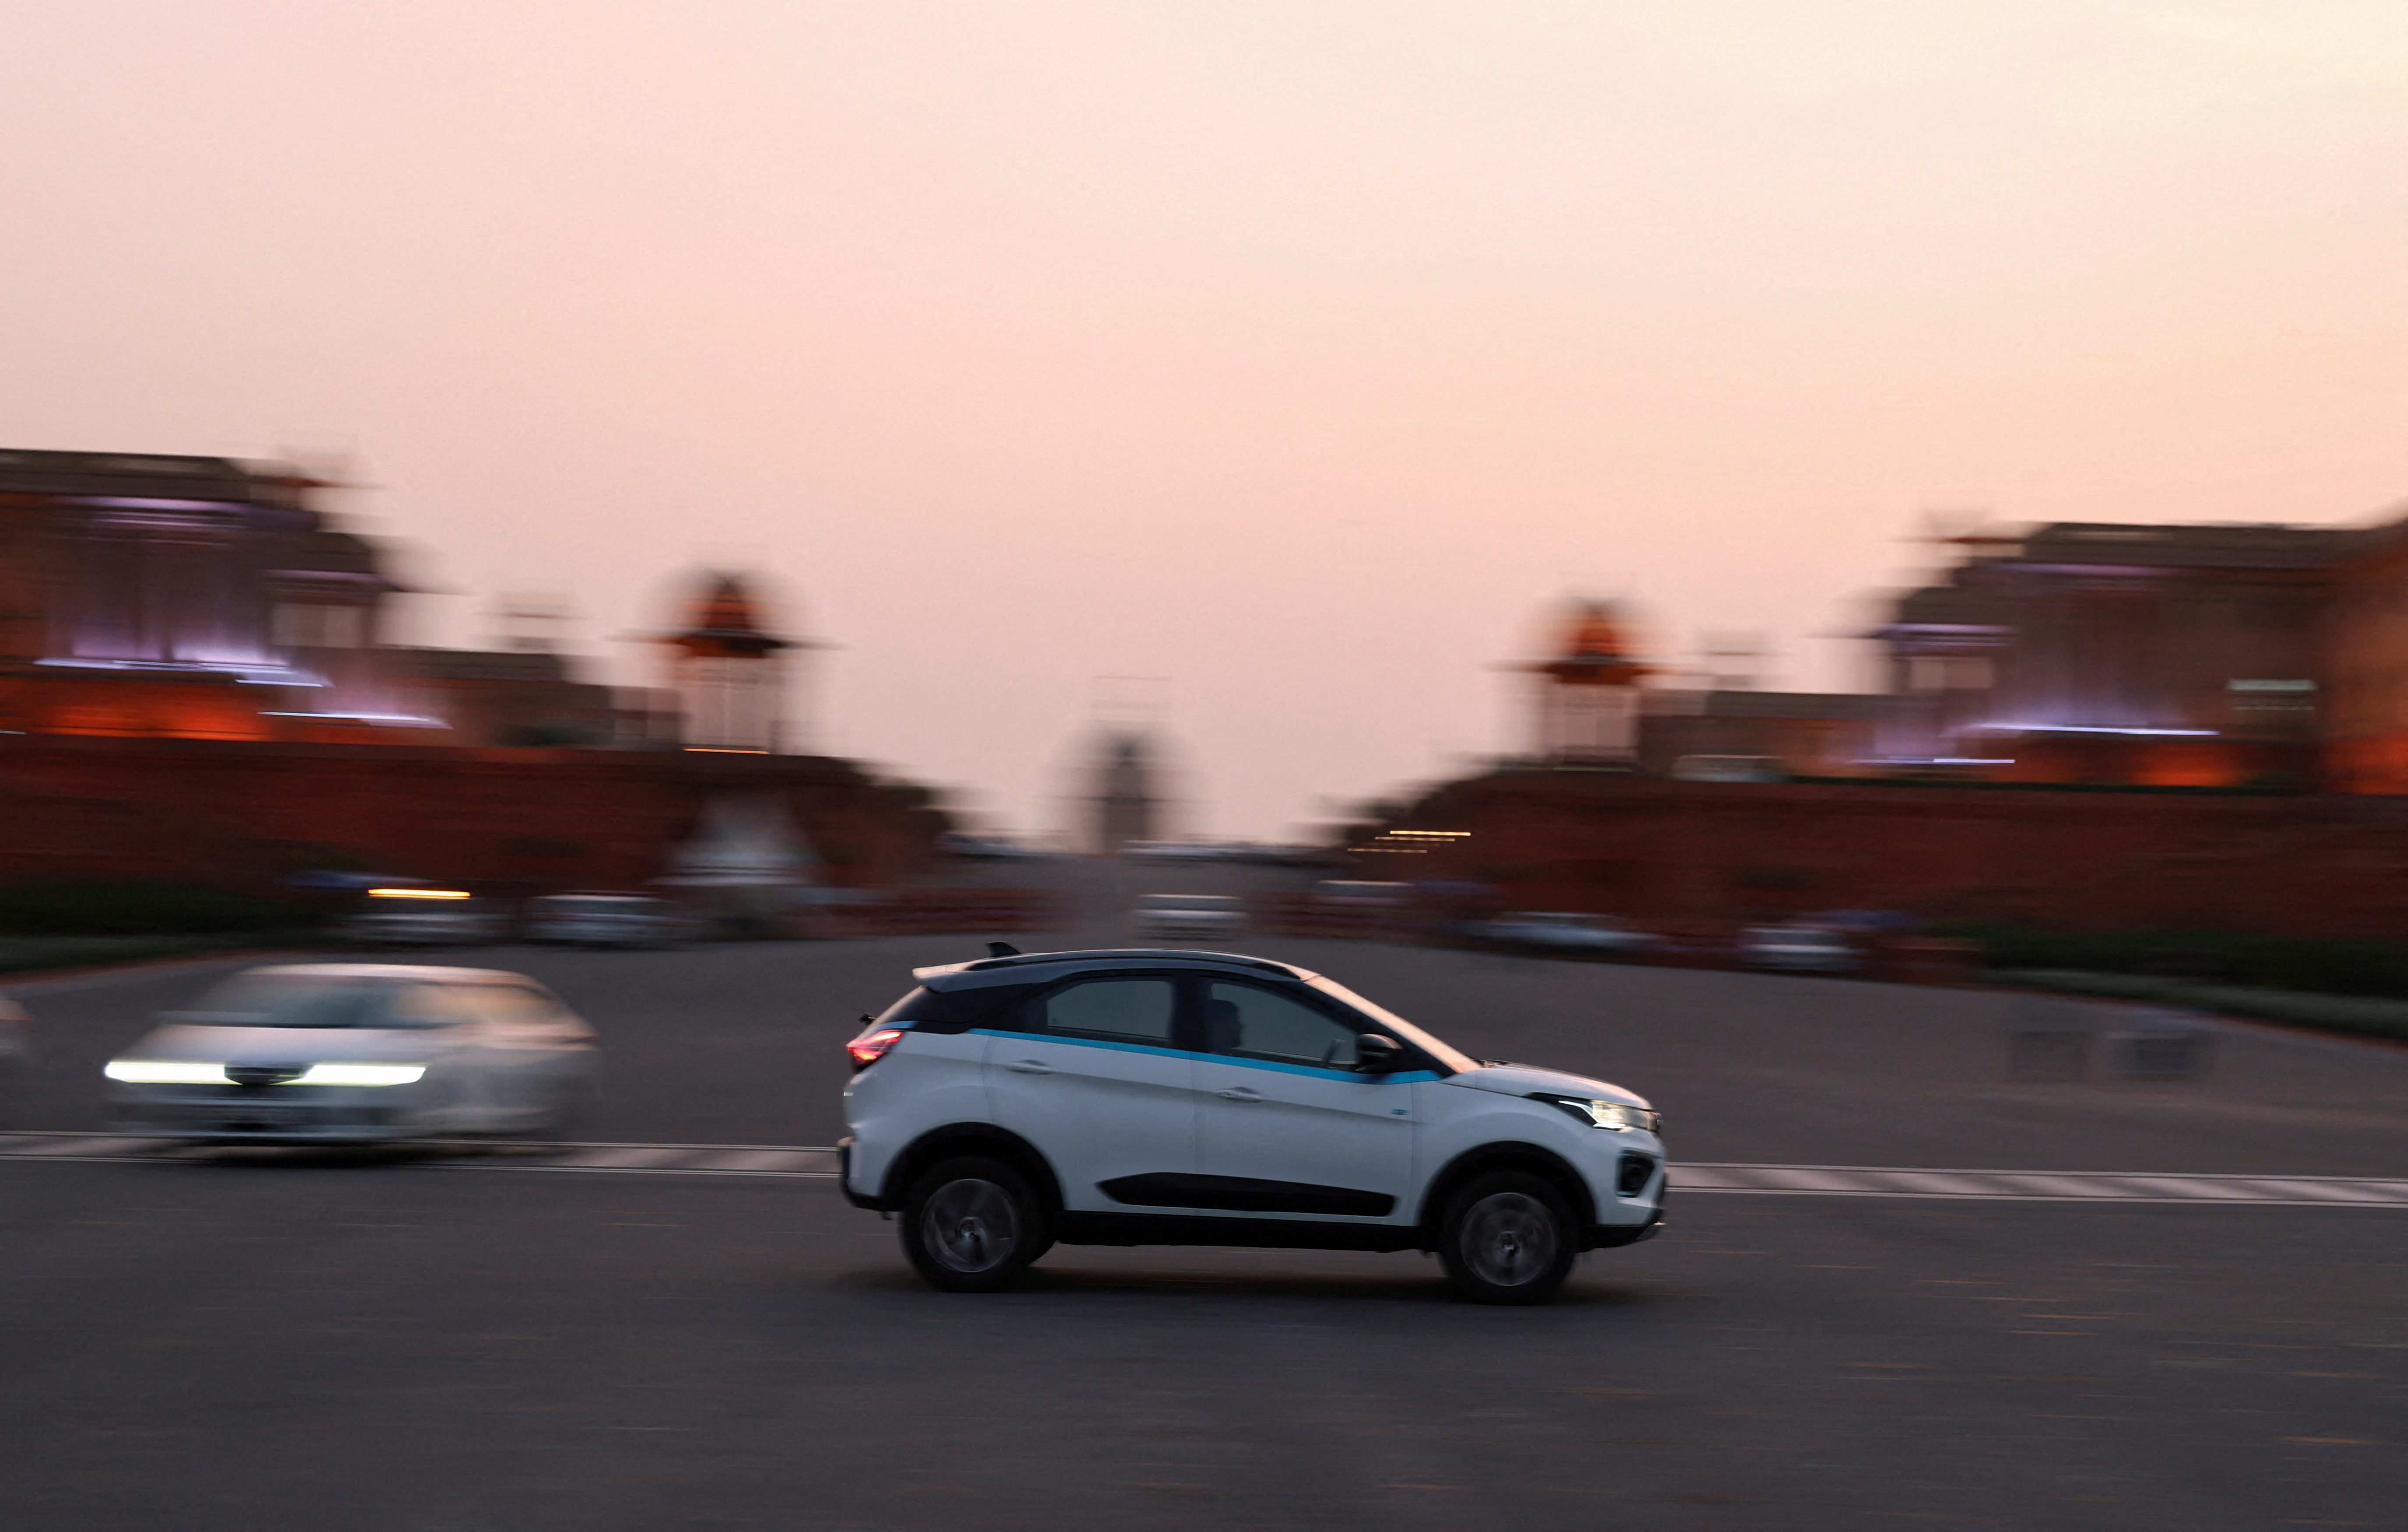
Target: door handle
{"x": 1029, "y": 1067}
{"x": 1238, "y": 1092}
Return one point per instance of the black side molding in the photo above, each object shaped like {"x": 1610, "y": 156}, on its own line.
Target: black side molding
{"x": 1244, "y": 1195}
{"x": 1241, "y": 1233}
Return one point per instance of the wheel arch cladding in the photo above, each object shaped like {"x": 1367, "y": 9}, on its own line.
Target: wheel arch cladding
{"x": 971, "y": 1138}
{"x": 1509, "y": 1155}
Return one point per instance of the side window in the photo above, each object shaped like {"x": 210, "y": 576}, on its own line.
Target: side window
{"x": 513, "y": 1004}
{"x": 1122, "y": 1009}
{"x": 1256, "y": 1023}
{"x": 427, "y": 1005}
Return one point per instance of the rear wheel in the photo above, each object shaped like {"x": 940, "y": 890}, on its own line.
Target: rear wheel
{"x": 973, "y": 1225}
{"x": 1508, "y": 1237}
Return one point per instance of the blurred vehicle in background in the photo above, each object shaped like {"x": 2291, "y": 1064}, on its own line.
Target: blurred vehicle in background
{"x": 1729, "y": 768}
{"x": 423, "y": 917}
{"x": 1355, "y": 890}
{"x": 356, "y": 1052}
{"x": 16, "y": 1059}
{"x": 1182, "y": 916}
{"x": 984, "y": 848}
{"x": 1562, "y": 932}
{"x": 609, "y": 920}
{"x": 1173, "y": 851}
{"x": 1798, "y": 949}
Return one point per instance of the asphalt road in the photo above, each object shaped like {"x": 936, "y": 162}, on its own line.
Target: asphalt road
{"x": 371, "y": 1344}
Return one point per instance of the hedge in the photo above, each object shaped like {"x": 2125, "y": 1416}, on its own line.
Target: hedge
{"x": 2320, "y": 966}
{"x": 2329, "y": 1012}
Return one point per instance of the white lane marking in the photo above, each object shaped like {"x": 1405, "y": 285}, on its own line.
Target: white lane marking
{"x": 2192, "y": 1187}
{"x": 768, "y": 1159}
{"x": 627, "y": 1158}
{"x": 2034, "y": 1186}
{"x": 1933, "y": 1181}
{"x": 2065, "y": 1185}
{"x": 1790, "y": 1178}
{"x": 80, "y": 1146}
{"x": 811, "y": 1162}
{"x": 2325, "y": 1191}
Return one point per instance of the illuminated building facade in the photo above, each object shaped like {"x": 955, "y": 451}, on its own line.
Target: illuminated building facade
{"x": 159, "y": 597}
{"x": 2178, "y": 656}
{"x": 186, "y": 597}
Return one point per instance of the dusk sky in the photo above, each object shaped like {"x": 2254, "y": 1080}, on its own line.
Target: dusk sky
{"x": 1298, "y": 353}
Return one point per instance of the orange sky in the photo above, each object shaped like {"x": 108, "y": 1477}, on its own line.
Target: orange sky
{"x": 1295, "y": 352}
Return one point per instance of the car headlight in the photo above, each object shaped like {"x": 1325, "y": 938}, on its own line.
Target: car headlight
{"x": 361, "y": 1074}
{"x": 165, "y": 1072}
{"x": 1612, "y": 1116}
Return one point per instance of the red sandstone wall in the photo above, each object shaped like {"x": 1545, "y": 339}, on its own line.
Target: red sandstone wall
{"x": 2300, "y": 866}
{"x": 240, "y": 814}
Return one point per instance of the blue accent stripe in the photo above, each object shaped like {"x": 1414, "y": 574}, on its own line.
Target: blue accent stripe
{"x": 1084, "y": 1042}
{"x": 1405, "y": 1077}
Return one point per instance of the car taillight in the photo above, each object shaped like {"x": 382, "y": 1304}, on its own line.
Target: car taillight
{"x": 871, "y": 1047}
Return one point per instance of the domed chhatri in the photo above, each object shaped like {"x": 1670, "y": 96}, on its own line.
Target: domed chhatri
{"x": 1588, "y": 709}
{"x": 728, "y": 671}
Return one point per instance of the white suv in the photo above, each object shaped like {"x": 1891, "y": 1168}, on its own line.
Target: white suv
{"x": 1133, "y": 1098}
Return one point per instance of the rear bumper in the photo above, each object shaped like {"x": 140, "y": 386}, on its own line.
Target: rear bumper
{"x": 844, "y": 1181}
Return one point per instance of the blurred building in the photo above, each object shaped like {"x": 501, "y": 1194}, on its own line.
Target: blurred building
{"x": 2177, "y": 655}
{"x": 160, "y": 596}
{"x": 1126, "y": 798}
{"x": 186, "y": 597}
{"x": 199, "y": 683}
{"x": 1789, "y": 734}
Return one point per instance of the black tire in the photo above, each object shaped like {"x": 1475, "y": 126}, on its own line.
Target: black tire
{"x": 1508, "y": 1236}
{"x": 973, "y": 1225}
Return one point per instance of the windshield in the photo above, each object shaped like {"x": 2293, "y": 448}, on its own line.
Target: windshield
{"x": 288, "y": 999}
{"x": 1451, "y": 1058}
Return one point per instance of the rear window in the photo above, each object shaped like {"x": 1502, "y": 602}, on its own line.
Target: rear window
{"x": 951, "y": 1010}
{"x": 1187, "y": 901}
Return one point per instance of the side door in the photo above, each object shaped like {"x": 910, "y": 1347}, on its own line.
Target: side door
{"x": 1284, "y": 1124}
{"x": 535, "y": 1050}
{"x": 461, "y": 1068}
{"x": 1090, "y": 1072}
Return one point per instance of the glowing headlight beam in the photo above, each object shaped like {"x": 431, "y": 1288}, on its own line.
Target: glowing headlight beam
{"x": 165, "y": 1072}
{"x": 361, "y": 1074}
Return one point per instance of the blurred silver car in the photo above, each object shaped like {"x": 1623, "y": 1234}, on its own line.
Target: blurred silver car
{"x": 356, "y": 1052}
{"x": 16, "y": 1059}
{"x": 609, "y": 920}
{"x": 1798, "y": 949}
{"x": 1180, "y": 916}
{"x": 1568, "y": 932}
{"x": 423, "y": 917}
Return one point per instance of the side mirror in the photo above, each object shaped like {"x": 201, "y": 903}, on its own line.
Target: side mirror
{"x": 1375, "y": 1054}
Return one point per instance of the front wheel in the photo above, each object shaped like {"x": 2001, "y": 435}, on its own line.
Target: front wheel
{"x": 1506, "y": 1237}
{"x": 972, "y": 1225}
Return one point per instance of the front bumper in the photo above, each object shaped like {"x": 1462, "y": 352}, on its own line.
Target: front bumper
{"x": 246, "y": 1118}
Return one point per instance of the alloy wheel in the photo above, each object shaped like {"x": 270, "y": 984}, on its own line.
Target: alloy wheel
{"x": 970, "y": 1226}
{"x": 1508, "y": 1239}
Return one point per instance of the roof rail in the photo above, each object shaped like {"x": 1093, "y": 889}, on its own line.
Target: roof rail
{"x": 1185, "y": 954}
